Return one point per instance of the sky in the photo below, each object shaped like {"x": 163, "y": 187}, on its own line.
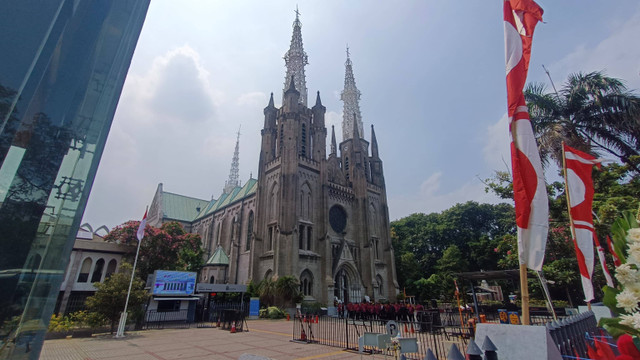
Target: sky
{"x": 431, "y": 74}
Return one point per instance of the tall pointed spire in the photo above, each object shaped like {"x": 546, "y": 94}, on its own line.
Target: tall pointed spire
{"x": 295, "y": 59}
{"x": 234, "y": 177}
{"x": 334, "y": 150}
{"x": 350, "y": 97}
{"x": 374, "y": 144}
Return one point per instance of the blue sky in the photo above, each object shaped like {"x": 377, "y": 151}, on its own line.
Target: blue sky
{"x": 431, "y": 75}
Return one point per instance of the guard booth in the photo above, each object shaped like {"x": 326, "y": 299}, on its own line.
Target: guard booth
{"x": 226, "y": 314}
{"x": 173, "y": 302}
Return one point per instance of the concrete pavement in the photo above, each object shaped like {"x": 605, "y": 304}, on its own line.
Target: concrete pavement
{"x": 265, "y": 339}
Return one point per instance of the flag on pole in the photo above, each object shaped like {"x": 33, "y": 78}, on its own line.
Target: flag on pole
{"x": 143, "y": 223}
{"x": 578, "y": 166}
{"x": 603, "y": 261}
{"x": 529, "y": 191}
{"x": 612, "y": 250}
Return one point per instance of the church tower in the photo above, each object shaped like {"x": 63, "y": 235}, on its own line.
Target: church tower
{"x": 321, "y": 219}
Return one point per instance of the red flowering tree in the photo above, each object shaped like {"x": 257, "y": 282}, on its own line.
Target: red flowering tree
{"x": 166, "y": 248}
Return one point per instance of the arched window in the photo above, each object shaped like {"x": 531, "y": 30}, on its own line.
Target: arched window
{"x": 303, "y": 149}
{"x": 111, "y": 268}
{"x": 268, "y": 274}
{"x": 84, "y": 271}
{"x": 306, "y": 283}
{"x": 380, "y": 285}
{"x": 247, "y": 246}
{"x": 212, "y": 280}
{"x": 97, "y": 271}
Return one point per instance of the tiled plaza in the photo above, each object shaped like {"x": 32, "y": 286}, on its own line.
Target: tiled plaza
{"x": 265, "y": 339}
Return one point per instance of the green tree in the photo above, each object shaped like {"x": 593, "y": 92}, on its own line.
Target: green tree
{"x": 110, "y": 297}
{"x": 591, "y": 112}
{"x": 267, "y": 291}
{"x": 420, "y": 241}
{"x": 166, "y": 248}
{"x": 288, "y": 290}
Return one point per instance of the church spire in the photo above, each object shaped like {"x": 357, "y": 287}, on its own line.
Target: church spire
{"x": 350, "y": 96}
{"x": 374, "y": 144}
{"x": 295, "y": 59}
{"x": 333, "y": 141}
{"x": 234, "y": 177}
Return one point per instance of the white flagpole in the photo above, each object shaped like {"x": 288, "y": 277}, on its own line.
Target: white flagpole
{"x": 123, "y": 316}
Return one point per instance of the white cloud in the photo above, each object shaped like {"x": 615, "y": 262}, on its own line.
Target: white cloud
{"x": 429, "y": 199}
{"x": 615, "y": 55}
{"x": 496, "y": 151}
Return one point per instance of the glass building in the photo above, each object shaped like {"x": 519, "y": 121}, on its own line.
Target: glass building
{"x": 62, "y": 67}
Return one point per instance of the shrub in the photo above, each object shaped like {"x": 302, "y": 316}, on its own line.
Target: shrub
{"x": 272, "y": 312}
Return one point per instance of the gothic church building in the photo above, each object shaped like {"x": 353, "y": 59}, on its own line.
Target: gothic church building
{"x": 321, "y": 218}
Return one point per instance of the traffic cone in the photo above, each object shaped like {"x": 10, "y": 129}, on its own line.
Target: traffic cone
{"x": 406, "y": 330}
{"x": 233, "y": 327}
{"x": 303, "y": 335}
{"x": 287, "y": 317}
{"x": 316, "y": 319}
{"x": 412, "y": 330}
{"x": 218, "y": 323}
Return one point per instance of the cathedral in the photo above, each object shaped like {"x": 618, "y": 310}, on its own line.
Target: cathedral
{"x": 321, "y": 218}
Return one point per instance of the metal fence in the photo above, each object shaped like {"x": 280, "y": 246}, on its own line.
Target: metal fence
{"x": 344, "y": 333}
{"x": 166, "y": 319}
{"x": 211, "y": 316}
{"x": 570, "y": 334}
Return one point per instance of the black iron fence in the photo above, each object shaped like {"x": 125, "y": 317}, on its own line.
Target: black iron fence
{"x": 166, "y": 319}
{"x": 570, "y": 334}
{"x": 429, "y": 331}
{"x": 213, "y": 316}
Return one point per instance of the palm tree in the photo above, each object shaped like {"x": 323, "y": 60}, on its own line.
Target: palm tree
{"x": 288, "y": 289}
{"x": 591, "y": 112}
{"x": 267, "y": 291}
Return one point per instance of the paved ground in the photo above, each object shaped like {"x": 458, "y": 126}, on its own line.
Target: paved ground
{"x": 265, "y": 338}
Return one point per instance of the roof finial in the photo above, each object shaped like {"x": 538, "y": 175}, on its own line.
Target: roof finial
{"x": 318, "y": 101}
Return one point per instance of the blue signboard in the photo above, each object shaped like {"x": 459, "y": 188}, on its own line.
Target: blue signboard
{"x": 254, "y": 307}
{"x": 173, "y": 283}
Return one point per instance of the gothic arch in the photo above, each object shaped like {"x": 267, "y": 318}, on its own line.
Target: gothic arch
{"x": 268, "y": 274}
{"x": 346, "y": 284}
{"x": 380, "y": 284}
{"x": 373, "y": 218}
{"x": 306, "y": 206}
{"x": 306, "y": 283}
{"x": 273, "y": 201}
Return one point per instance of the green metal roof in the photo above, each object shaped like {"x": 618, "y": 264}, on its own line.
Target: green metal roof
{"x": 237, "y": 194}
{"x": 218, "y": 258}
{"x": 180, "y": 207}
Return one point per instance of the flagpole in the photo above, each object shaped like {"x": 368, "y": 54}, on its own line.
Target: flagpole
{"x": 566, "y": 190}
{"x": 524, "y": 284}
{"x": 123, "y": 316}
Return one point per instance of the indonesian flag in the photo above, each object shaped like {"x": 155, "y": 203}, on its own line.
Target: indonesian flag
{"x": 529, "y": 191}
{"x": 603, "y": 262}
{"x": 616, "y": 259}
{"x": 143, "y": 223}
{"x": 578, "y": 166}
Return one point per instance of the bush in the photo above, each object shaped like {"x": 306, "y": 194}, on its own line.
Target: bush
{"x": 272, "y": 312}
{"x": 311, "y": 308}
{"x": 60, "y": 323}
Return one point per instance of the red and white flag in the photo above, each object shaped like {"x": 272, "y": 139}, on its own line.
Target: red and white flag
{"x": 143, "y": 224}
{"x": 529, "y": 191}
{"x": 603, "y": 261}
{"x": 612, "y": 250}
{"x": 578, "y": 166}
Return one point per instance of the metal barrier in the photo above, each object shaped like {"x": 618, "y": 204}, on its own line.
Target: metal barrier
{"x": 166, "y": 319}
{"x": 344, "y": 333}
{"x": 210, "y": 317}
{"x": 569, "y": 334}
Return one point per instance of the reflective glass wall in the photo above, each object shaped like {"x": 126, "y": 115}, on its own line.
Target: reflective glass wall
{"x": 62, "y": 67}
